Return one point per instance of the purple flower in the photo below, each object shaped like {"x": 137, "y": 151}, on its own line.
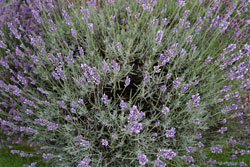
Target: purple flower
{"x": 3, "y": 45}
{"x": 122, "y": 104}
{"x": 137, "y": 15}
{"x": 222, "y": 130}
{"x": 135, "y": 127}
{"x": 157, "y": 124}
{"x": 68, "y": 118}
{"x": 183, "y": 52}
{"x": 200, "y": 144}
{"x": 188, "y": 158}
{"x": 118, "y": 46}
{"x": 73, "y": 32}
{"x": 127, "y": 81}
{"x": 90, "y": 26}
{"x": 80, "y": 101}
{"x": 165, "y": 110}
{"x": 164, "y": 21}
{"x": 209, "y": 59}
{"x": 168, "y": 75}
{"x": 170, "y": 133}
{"x": 84, "y": 163}
{"x": 216, "y": 149}
{"x": 105, "y": 98}
{"x": 66, "y": 17}
{"x": 181, "y": 3}
{"x": 47, "y": 156}
{"x": 189, "y": 38}
{"x": 163, "y": 59}
{"x": 159, "y": 163}
{"x": 80, "y": 49}
{"x": 62, "y": 104}
{"x": 147, "y": 77}
{"x": 142, "y": 158}
{"x": 159, "y": 37}
{"x": 106, "y": 67}
{"x": 169, "y": 154}
{"x": 154, "y": 134}
{"x": 163, "y": 88}
{"x": 157, "y": 69}
{"x": 115, "y": 65}
{"x": 105, "y": 142}
{"x": 91, "y": 74}
{"x": 177, "y": 82}
{"x": 197, "y": 121}
{"x": 195, "y": 101}
{"x": 135, "y": 114}
{"x": 28, "y": 112}
{"x": 190, "y": 149}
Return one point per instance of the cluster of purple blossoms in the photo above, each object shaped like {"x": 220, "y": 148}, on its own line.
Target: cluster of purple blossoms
{"x": 135, "y": 127}
{"x": 58, "y": 73}
{"x": 62, "y": 104}
{"x": 169, "y": 154}
{"x": 105, "y": 142}
{"x": 216, "y": 149}
{"x": 91, "y": 74}
{"x": 230, "y": 108}
{"x": 172, "y": 51}
{"x": 165, "y": 110}
{"x": 181, "y": 3}
{"x": 195, "y": 101}
{"x": 170, "y": 133}
{"x": 222, "y": 130}
{"x": 122, "y": 104}
{"x": 81, "y": 141}
{"x": 229, "y": 48}
{"x": 28, "y": 112}
{"x": 84, "y": 163}
{"x": 33, "y": 164}
{"x": 164, "y": 58}
{"x": 190, "y": 149}
{"x": 67, "y": 18}
{"x": 51, "y": 126}
{"x": 159, "y": 163}
{"x": 104, "y": 98}
{"x": 135, "y": 115}
{"x": 188, "y": 158}
{"x": 142, "y": 158}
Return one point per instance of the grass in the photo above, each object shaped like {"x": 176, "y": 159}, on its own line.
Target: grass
{"x": 13, "y": 160}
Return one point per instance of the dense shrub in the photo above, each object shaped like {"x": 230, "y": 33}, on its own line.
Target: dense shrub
{"x": 126, "y": 84}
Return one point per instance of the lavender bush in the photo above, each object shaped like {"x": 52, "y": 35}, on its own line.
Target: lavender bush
{"x": 123, "y": 83}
